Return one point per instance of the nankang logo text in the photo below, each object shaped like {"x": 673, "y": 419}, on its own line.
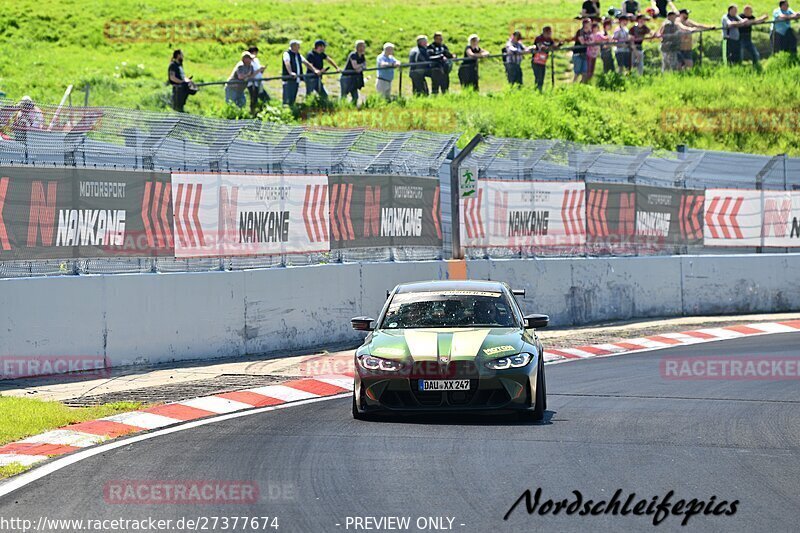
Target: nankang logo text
{"x": 91, "y": 227}
{"x": 401, "y": 222}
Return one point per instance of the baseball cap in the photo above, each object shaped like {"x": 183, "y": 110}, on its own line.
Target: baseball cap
{"x": 684, "y": 11}
{"x": 388, "y": 45}
{"x": 247, "y": 54}
{"x": 293, "y": 41}
{"x": 420, "y": 37}
{"x": 320, "y": 42}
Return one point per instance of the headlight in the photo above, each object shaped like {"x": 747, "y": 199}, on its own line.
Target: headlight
{"x": 370, "y": 362}
{"x": 512, "y": 361}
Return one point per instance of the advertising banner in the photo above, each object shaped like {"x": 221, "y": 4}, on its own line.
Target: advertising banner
{"x": 384, "y": 211}
{"x": 524, "y": 215}
{"x": 627, "y": 218}
{"x": 732, "y": 217}
{"x": 219, "y": 215}
{"x": 64, "y": 213}
{"x": 781, "y": 226}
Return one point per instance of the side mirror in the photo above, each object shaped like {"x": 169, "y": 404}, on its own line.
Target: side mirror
{"x": 536, "y": 321}
{"x": 362, "y": 323}
{"x": 518, "y": 292}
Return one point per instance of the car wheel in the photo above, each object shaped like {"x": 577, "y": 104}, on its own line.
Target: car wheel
{"x": 537, "y": 415}
{"x": 358, "y": 415}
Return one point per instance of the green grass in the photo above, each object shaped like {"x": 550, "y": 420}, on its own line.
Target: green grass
{"x": 48, "y": 44}
{"x": 23, "y": 417}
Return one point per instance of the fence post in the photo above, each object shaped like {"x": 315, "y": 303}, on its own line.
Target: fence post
{"x": 400, "y": 88}
{"x": 455, "y": 197}
{"x": 552, "y": 70}
{"x": 700, "y": 51}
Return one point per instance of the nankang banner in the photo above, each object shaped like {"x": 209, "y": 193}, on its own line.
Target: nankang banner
{"x": 627, "y": 218}
{"x": 733, "y": 217}
{"x": 524, "y": 215}
{"x": 781, "y": 226}
{"x": 64, "y": 213}
{"x": 219, "y": 215}
{"x": 384, "y": 211}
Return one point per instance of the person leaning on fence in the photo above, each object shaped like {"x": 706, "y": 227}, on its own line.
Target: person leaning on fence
{"x": 746, "y": 34}
{"x": 514, "y": 51}
{"x": 386, "y": 64}
{"x": 783, "y": 37}
{"x": 580, "y": 65}
{"x": 670, "y": 42}
{"x": 178, "y": 81}
{"x": 255, "y": 86}
{"x": 731, "y": 22}
{"x": 292, "y": 71}
{"x": 317, "y": 58}
{"x": 593, "y": 50}
{"x": 237, "y": 81}
{"x": 468, "y": 71}
{"x": 686, "y": 28}
{"x": 606, "y": 49}
{"x": 639, "y": 33}
{"x": 440, "y": 54}
{"x": 621, "y": 38}
{"x": 420, "y": 66}
{"x": 542, "y": 45}
{"x": 352, "y": 79}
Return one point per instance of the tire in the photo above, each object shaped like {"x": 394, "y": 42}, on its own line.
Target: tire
{"x": 537, "y": 415}
{"x": 358, "y": 415}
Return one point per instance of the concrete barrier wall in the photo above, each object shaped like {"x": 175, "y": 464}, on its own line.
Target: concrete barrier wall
{"x": 148, "y": 318}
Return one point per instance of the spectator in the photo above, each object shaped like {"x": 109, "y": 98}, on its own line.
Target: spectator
{"x": 784, "y": 39}
{"x": 353, "y": 73}
{"x": 621, "y": 37}
{"x": 255, "y": 86}
{"x": 543, "y": 44}
{"x": 630, "y": 7}
{"x": 686, "y": 28}
{"x": 420, "y": 66}
{"x": 593, "y": 51}
{"x": 639, "y": 32}
{"x": 746, "y": 34}
{"x": 292, "y": 71}
{"x": 28, "y": 117}
{"x": 317, "y": 58}
{"x": 513, "y": 55}
{"x": 468, "y": 71}
{"x": 237, "y": 81}
{"x": 386, "y": 64}
{"x": 731, "y": 22}
{"x": 590, "y": 8}
{"x": 606, "y": 53}
{"x": 440, "y": 71}
{"x": 580, "y": 65}
{"x": 662, "y": 7}
{"x": 670, "y": 42}
{"x": 178, "y": 80}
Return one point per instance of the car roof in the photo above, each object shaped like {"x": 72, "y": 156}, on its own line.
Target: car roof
{"x": 450, "y": 285}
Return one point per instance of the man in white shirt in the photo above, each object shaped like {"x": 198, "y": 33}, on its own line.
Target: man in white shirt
{"x": 255, "y": 86}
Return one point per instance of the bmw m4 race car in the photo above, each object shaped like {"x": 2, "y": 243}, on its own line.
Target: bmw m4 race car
{"x": 450, "y": 346}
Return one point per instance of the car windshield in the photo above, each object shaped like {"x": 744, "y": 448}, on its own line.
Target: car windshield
{"x": 449, "y": 309}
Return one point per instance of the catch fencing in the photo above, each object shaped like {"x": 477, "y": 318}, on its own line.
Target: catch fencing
{"x": 102, "y": 190}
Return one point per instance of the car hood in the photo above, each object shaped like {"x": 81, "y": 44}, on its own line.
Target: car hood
{"x": 455, "y": 343}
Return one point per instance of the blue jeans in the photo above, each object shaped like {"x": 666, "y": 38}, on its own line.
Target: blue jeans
{"x": 235, "y": 94}
{"x": 314, "y": 84}
{"x": 290, "y": 92}
{"x": 750, "y": 47}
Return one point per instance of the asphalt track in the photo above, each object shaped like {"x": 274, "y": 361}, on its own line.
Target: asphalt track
{"x": 612, "y": 423}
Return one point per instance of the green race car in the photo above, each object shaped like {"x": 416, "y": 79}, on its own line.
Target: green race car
{"x": 450, "y": 346}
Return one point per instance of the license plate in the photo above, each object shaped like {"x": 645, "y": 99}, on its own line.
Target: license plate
{"x": 426, "y": 385}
